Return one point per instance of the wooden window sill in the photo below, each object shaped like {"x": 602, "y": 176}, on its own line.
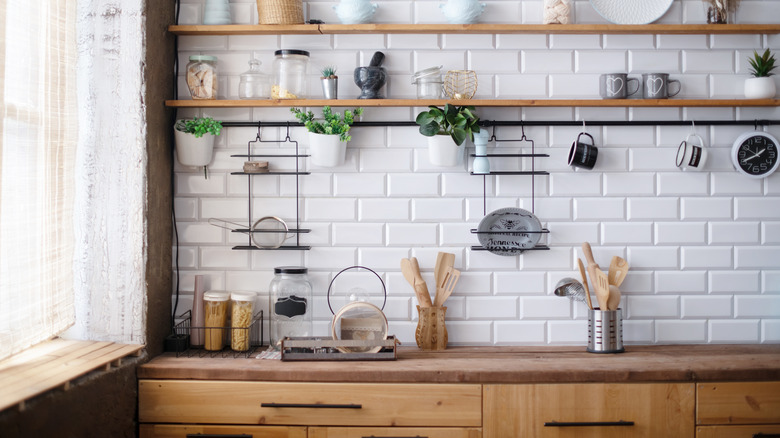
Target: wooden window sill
{"x": 55, "y": 364}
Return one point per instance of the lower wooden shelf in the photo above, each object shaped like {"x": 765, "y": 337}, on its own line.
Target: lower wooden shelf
{"x": 242, "y": 103}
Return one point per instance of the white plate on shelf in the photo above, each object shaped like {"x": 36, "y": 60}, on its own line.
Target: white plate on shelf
{"x": 631, "y": 11}
{"x": 494, "y": 229}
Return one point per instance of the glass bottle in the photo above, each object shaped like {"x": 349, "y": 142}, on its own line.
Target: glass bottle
{"x": 290, "y": 304}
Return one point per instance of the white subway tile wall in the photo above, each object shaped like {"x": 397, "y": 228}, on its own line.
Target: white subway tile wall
{"x": 704, "y": 247}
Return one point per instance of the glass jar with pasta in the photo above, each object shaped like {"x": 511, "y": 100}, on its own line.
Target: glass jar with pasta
{"x": 242, "y": 310}
{"x": 215, "y": 310}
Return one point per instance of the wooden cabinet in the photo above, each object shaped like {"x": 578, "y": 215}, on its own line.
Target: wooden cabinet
{"x": 208, "y": 431}
{"x": 597, "y": 410}
{"x": 721, "y": 407}
{"x": 395, "y": 432}
{"x": 320, "y": 404}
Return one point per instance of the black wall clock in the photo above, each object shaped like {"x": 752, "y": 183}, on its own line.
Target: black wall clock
{"x": 755, "y": 154}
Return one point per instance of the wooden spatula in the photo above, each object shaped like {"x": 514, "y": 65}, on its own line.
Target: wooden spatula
{"x": 420, "y": 285}
{"x": 444, "y": 260}
{"x": 408, "y": 270}
{"x": 613, "y": 302}
{"x": 601, "y": 283}
{"x": 450, "y": 279}
{"x": 585, "y": 283}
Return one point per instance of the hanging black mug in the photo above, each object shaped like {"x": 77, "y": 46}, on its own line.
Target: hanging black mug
{"x": 583, "y": 154}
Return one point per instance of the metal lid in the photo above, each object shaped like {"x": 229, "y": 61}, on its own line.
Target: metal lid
{"x": 426, "y": 73}
{"x": 203, "y": 58}
{"x": 291, "y": 52}
{"x": 290, "y": 270}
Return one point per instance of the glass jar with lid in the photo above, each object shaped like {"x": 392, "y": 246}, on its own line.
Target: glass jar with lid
{"x": 215, "y": 310}
{"x": 253, "y": 83}
{"x": 202, "y": 76}
{"x": 241, "y": 314}
{"x": 290, "y": 304}
{"x": 289, "y": 74}
{"x": 429, "y": 83}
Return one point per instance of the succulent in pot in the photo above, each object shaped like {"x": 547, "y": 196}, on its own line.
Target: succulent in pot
{"x": 761, "y": 85}
{"x": 447, "y": 129}
{"x": 195, "y": 141}
{"x": 330, "y": 82}
{"x": 328, "y": 137}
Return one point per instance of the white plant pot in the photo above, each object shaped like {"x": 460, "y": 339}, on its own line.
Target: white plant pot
{"x": 443, "y": 152}
{"x": 760, "y": 88}
{"x": 327, "y": 150}
{"x": 193, "y": 151}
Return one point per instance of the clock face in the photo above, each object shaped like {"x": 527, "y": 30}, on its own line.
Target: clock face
{"x": 755, "y": 154}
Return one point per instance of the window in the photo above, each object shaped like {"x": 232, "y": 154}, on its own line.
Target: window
{"x": 37, "y": 154}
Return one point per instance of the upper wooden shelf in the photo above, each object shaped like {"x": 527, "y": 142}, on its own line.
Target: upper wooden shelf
{"x": 479, "y": 28}
{"x": 474, "y": 102}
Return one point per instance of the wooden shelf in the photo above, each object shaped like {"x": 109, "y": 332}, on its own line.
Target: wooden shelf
{"x": 474, "y": 102}
{"x": 479, "y": 28}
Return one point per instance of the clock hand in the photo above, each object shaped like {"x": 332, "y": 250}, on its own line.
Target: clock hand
{"x": 754, "y": 156}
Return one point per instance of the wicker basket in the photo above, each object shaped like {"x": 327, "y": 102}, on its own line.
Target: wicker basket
{"x": 280, "y": 11}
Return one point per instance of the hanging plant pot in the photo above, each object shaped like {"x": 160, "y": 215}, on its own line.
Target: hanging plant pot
{"x": 194, "y": 151}
{"x": 443, "y": 152}
{"x": 327, "y": 150}
{"x": 760, "y": 88}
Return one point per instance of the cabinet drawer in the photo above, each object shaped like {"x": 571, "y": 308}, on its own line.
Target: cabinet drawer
{"x": 317, "y": 404}
{"x": 761, "y": 431}
{"x": 185, "y": 431}
{"x": 394, "y": 432}
{"x": 738, "y": 403}
{"x": 592, "y": 410}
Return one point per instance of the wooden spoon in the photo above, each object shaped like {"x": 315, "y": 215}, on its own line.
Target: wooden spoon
{"x": 585, "y": 283}
{"x": 420, "y": 285}
{"x": 589, "y": 257}
{"x": 613, "y": 303}
{"x": 618, "y": 268}
{"x": 408, "y": 270}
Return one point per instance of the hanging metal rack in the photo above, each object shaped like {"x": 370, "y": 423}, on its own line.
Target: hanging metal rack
{"x": 297, "y": 231}
{"x": 752, "y": 122}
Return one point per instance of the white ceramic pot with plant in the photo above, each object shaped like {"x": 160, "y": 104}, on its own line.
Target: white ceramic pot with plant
{"x": 195, "y": 140}
{"x": 328, "y": 138}
{"x": 762, "y": 84}
{"x": 447, "y": 129}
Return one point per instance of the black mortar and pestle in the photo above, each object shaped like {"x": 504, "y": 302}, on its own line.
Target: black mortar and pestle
{"x": 371, "y": 79}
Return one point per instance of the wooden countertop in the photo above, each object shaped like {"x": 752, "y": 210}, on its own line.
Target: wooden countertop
{"x": 669, "y": 363}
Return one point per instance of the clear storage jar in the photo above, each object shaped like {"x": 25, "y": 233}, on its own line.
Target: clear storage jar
{"x": 429, "y": 83}
{"x": 215, "y": 310}
{"x": 290, "y": 304}
{"x": 202, "y": 76}
{"x": 254, "y": 84}
{"x": 242, "y": 306}
{"x": 289, "y": 74}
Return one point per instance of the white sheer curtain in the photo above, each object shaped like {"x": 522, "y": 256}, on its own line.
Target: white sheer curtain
{"x": 39, "y": 132}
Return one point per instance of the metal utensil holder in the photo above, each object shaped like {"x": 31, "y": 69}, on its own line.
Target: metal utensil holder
{"x": 605, "y": 331}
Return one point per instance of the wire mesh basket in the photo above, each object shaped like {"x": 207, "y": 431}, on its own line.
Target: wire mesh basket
{"x": 254, "y": 333}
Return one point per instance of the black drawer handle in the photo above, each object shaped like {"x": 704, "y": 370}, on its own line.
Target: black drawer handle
{"x": 311, "y": 405}
{"x": 766, "y": 435}
{"x": 587, "y": 423}
{"x": 218, "y": 435}
{"x": 416, "y": 436}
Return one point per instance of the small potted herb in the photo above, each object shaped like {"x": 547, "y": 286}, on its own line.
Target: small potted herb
{"x": 761, "y": 85}
{"x": 447, "y": 130}
{"x": 330, "y": 82}
{"x": 328, "y": 138}
{"x": 195, "y": 140}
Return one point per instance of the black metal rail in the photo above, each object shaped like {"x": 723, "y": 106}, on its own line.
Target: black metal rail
{"x": 488, "y": 123}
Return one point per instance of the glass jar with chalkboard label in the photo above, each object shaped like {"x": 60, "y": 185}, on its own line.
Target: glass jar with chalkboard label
{"x": 290, "y": 304}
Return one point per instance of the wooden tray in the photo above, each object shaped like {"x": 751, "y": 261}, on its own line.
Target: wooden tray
{"x": 326, "y": 349}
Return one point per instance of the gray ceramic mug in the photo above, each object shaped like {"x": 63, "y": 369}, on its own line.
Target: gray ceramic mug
{"x": 616, "y": 85}
{"x": 657, "y": 86}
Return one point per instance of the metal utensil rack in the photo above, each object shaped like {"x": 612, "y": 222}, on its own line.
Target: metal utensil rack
{"x": 297, "y": 173}
{"x": 255, "y": 329}
{"x": 532, "y": 173}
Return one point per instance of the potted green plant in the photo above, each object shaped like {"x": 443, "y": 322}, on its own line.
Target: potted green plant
{"x": 328, "y": 138}
{"x": 447, "y": 129}
{"x": 761, "y": 85}
{"x": 330, "y": 82}
{"x": 195, "y": 140}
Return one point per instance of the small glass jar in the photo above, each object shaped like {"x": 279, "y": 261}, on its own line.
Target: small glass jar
{"x": 289, "y": 74}
{"x": 202, "y": 76}
{"x": 215, "y": 310}
{"x": 253, "y": 84}
{"x": 290, "y": 304}
{"x": 242, "y": 306}
{"x": 429, "y": 83}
